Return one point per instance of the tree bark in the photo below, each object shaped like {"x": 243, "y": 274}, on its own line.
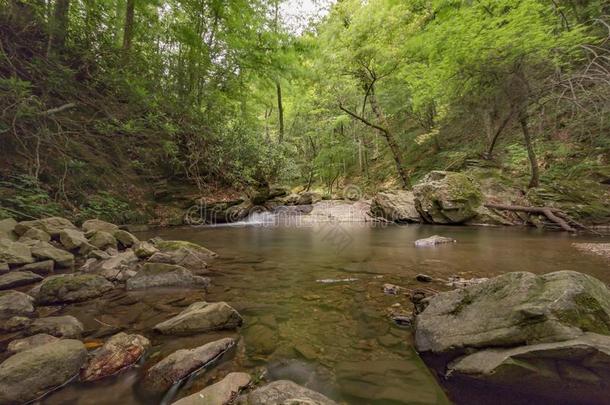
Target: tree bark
{"x": 531, "y": 154}
{"x": 554, "y": 215}
{"x": 128, "y": 29}
{"x": 494, "y": 140}
{"x": 280, "y": 110}
{"x": 59, "y": 27}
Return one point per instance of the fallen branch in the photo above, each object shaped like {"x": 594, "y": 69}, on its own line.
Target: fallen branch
{"x": 552, "y": 214}
{"x": 58, "y": 109}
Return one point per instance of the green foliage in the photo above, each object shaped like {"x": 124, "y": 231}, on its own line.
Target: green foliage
{"x": 107, "y": 207}
{"x": 22, "y": 198}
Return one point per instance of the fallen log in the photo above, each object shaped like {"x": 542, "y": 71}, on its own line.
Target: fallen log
{"x": 553, "y": 214}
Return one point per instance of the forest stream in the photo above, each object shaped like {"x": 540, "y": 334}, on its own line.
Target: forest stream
{"x": 314, "y": 307}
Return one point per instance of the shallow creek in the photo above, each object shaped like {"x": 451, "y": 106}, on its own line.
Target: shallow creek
{"x": 333, "y": 336}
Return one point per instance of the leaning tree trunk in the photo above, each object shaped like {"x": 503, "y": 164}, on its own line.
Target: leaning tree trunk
{"x": 531, "y": 154}
{"x": 280, "y": 109}
{"x": 59, "y": 27}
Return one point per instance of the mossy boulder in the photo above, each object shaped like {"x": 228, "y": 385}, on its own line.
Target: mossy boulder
{"x": 17, "y": 279}
{"x": 395, "y": 206}
{"x": 7, "y": 226}
{"x": 165, "y": 275}
{"x": 53, "y": 226}
{"x": 125, "y": 239}
{"x": 65, "y": 326}
{"x": 15, "y": 253}
{"x": 201, "y": 317}
{"x": 72, "y": 239}
{"x": 36, "y": 234}
{"x": 99, "y": 225}
{"x": 67, "y": 288}
{"x": 447, "y": 198}
{"x": 175, "y": 245}
{"x": 46, "y": 251}
{"x": 102, "y": 240}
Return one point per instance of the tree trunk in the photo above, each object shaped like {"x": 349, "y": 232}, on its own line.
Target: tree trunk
{"x": 494, "y": 140}
{"x": 59, "y": 27}
{"x": 280, "y": 109}
{"x": 531, "y": 154}
{"x": 128, "y": 29}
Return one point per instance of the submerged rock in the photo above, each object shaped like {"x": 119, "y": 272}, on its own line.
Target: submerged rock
{"x": 223, "y": 392}
{"x": 18, "y": 278}
{"x": 165, "y": 275}
{"x": 15, "y": 303}
{"x": 201, "y": 317}
{"x": 119, "y": 352}
{"x": 183, "y": 363}
{"x": 433, "y": 241}
{"x": 30, "y": 342}
{"x": 67, "y": 288}
{"x": 60, "y": 326}
{"x": 53, "y": 226}
{"x": 447, "y": 198}
{"x": 181, "y": 257}
{"x": 284, "y": 392}
{"x": 46, "y": 251}
{"x": 15, "y": 253}
{"x": 30, "y": 374}
{"x": 168, "y": 246}
{"x": 395, "y": 206}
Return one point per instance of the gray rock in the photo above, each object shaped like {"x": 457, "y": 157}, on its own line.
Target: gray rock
{"x": 36, "y": 234}
{"x": 223, "y": 392}
{"x": 170, "y": 246}
{"x": 102, "y": 240}
{"x": 183, "y": 363}
{"x": 66, "y": 288}
{"x": 72, "y": 239}
{"x": 182, "y": 257}
{"x": 7, "y": 227}
{"x": 43, "y": 268}
{"x": 165, "y": 275}
{"x": 18, "y": 278}
{"x": 144, "y": 250}
{"x": 60, "y": 326}
{"x": 53, "y": 226}
{"x": 284, "y": 392}
{"x": 15, "y": 323}
{"x": 15, "y": 253}
{"x": 30, "y": 374}
{"x": 30, "y": 342}
{"x": 98, "y": 255}
{"x": 424, "y": 278}
{"x": 201, "y": 317}
{"x": 433, "y": 241}
{"x": 4, "y": 268}
{"x": 114, "y": 268}
{"x": 99, "y": 225}
{"x": 46, "y": 251}
{"x": 514, "y": 309}
{"x": 447, "y": 198}
{"x": 119, "y": 352}
{"x": 395, "y": 206}
{"x": 125, "y": 238}
{"x": 15, "y": 303}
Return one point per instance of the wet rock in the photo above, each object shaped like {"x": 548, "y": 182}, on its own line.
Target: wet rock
{"x": 153, "y": 275}
{"x": 144, "y": 250}
{"x": 67, "y": 288}
{"x": 102, "y": 240}
{"x": 402, "y": 319}
{"x": 424, "y": 278}
{"x": 14, "y": 253}
{"x": 395, "y": 206}
{"x": 600, "y": 249}
{"x": 125, "y": 239}
{"x": 223, "y": 392}
{"x": 94, "y": 225}
{"x": 30, "y": 342}
{"x": 60, "y": 326}
{"x": 260, "y": 339}
{"x": 7, "y": 227}
{"x": 46, "y": 251}
{"x": 181, "y": 257}
{"x": 15, "y": 323}
{"x": 514, "y": 309}
{"x": 114, "y": 267}
{"x": 182, "y": 363}
{"x": 42, "y": 268}
{"x": 201, "y": 317}
{"x": 72, "y": 239}
{"x": 169, "y": 246}
{"x": 15, "y": 303}
{"x": 53, "y": 226}
{"x": 4, "y": 268}
{"x": 460, "y": 282}
{"x": 36, "y": 234}
{"x": 119, "y": 352}
{"x": 29, "y": 374}
{"x": 391, "y": 289}
{"x": 308, "y": 198}
{"x": 433, "y": 241}
{"x": 447, "y": 198}
{"x": 284, "y": 392}
{"x": 98, "y": 255}
{"x": 18, "y": 278}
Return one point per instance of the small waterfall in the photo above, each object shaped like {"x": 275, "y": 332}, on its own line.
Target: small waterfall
{"x": 260, "y": 218}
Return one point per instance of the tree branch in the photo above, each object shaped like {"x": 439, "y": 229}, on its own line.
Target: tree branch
{"x": 363, "y": 120}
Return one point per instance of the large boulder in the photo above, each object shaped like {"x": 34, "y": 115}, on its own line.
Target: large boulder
{"x": 223, "y": 392}
{"x": 53, "y": 226}
{"x": 14, "y": 253}
{"x": 447, "y": 198}
{"x": 15, "y": 303}
{"x": 72, "y": 239}
{"x": 201, "y": 317}
{"x": 191, "y": 254}
{"x": 183, "y": 363}
{"x": 66, "y": 288}
{"x": 65, "y": 326}
{"x": 125, "y": 239}
{"x": 181, "y": 257}
{"x": 46, "y": 251}
{"x": 43, "y": 268}
{"x": 7, "y": 227}
{"x": 102, "y": 240}
{"x": 284, "y": 392}
{"x": 117, "y": 267}
{"x": 144, "y": 250}
{"x": 35, "y": 234}
{"x": 395, "y": 206}
{"x": 153, "y": 275}
{"x": 18, "y": 278}
{"x": 30, "y": 374}
{"x": 119, "y": 352}
{"x": 30, "y": 342}
{"x": 93, "y": 225}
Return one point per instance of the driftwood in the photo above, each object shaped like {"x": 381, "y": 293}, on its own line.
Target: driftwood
{"x": 557, "y": 216}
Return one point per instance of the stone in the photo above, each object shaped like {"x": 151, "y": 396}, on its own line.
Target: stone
{"x": 30, "y": 374}
{"x": 514, "y": 309}
{"x": 402, "y": 319}
{"x": 114, "y": 268}
{"x": 125, "y": 239}
{"x": 168, "y": 246}
{"x": 30, "y": 342}
{"x": 36, "y": 234}
{"x": 102, "y": 240}
{"x": 433, "y": 241}
{"x": 18, "y": 278}
{"x": 53, "y": 226}
{"x": 72, "y": 239}
{"x": 222, "y": 392}
{"x": 66, "y": 288}
{"x": 46, "y": 251}
{"x": 395, "y": 206}
{"x": 65, "y": 326}
{"x": 14, "y": 253}
{"x": 4, "y": 268}
{"x": 182, "y": 363}
{"x": 98, "y": 255}
{"x": 15, "y": 303}
{"x": 447, "y": 198}
{"x": 99, "y": 225}
{"x": 261, "y": 339}
{"x": 424, "y": 278}
{"x": 201, "y": 317}
{"x": 7, "y": 227}
{"x": 15, "y": 323}
{"x": 391, "y": 289}
{"x": 144, "y": 250}
{"x": 118, "y": 353}
{"x": 308, "y": 198}
{"x": 42, "y": 268}
{"x": 284, "y": 392}
{"x": 153, "y": 275}
{"x": 181, "y": 257}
